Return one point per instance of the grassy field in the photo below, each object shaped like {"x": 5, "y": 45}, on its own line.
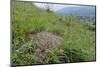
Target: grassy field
{"x": 79, "y": 38}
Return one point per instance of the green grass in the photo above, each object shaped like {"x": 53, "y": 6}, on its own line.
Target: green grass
{"x": 27, "y": 18}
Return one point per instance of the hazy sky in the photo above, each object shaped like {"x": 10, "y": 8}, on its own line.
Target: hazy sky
{"x": 54, "y": 7}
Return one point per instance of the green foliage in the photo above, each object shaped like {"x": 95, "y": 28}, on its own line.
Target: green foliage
{"x": 27, "y": 18}
{"x": 24, "y": 53}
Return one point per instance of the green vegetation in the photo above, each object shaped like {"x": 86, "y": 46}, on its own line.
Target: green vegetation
{"x": 79, "y": 38}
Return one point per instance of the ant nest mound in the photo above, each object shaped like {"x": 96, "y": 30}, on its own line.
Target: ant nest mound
{"x": 47, "y": 41}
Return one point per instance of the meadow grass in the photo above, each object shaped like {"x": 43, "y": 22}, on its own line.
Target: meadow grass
{"x": 79, "y": 40}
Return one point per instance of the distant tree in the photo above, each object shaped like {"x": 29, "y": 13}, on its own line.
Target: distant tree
{"x": 48, "y": 7}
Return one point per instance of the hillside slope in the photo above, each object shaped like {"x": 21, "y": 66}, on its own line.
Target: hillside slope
{"x": 79, "y": 39}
